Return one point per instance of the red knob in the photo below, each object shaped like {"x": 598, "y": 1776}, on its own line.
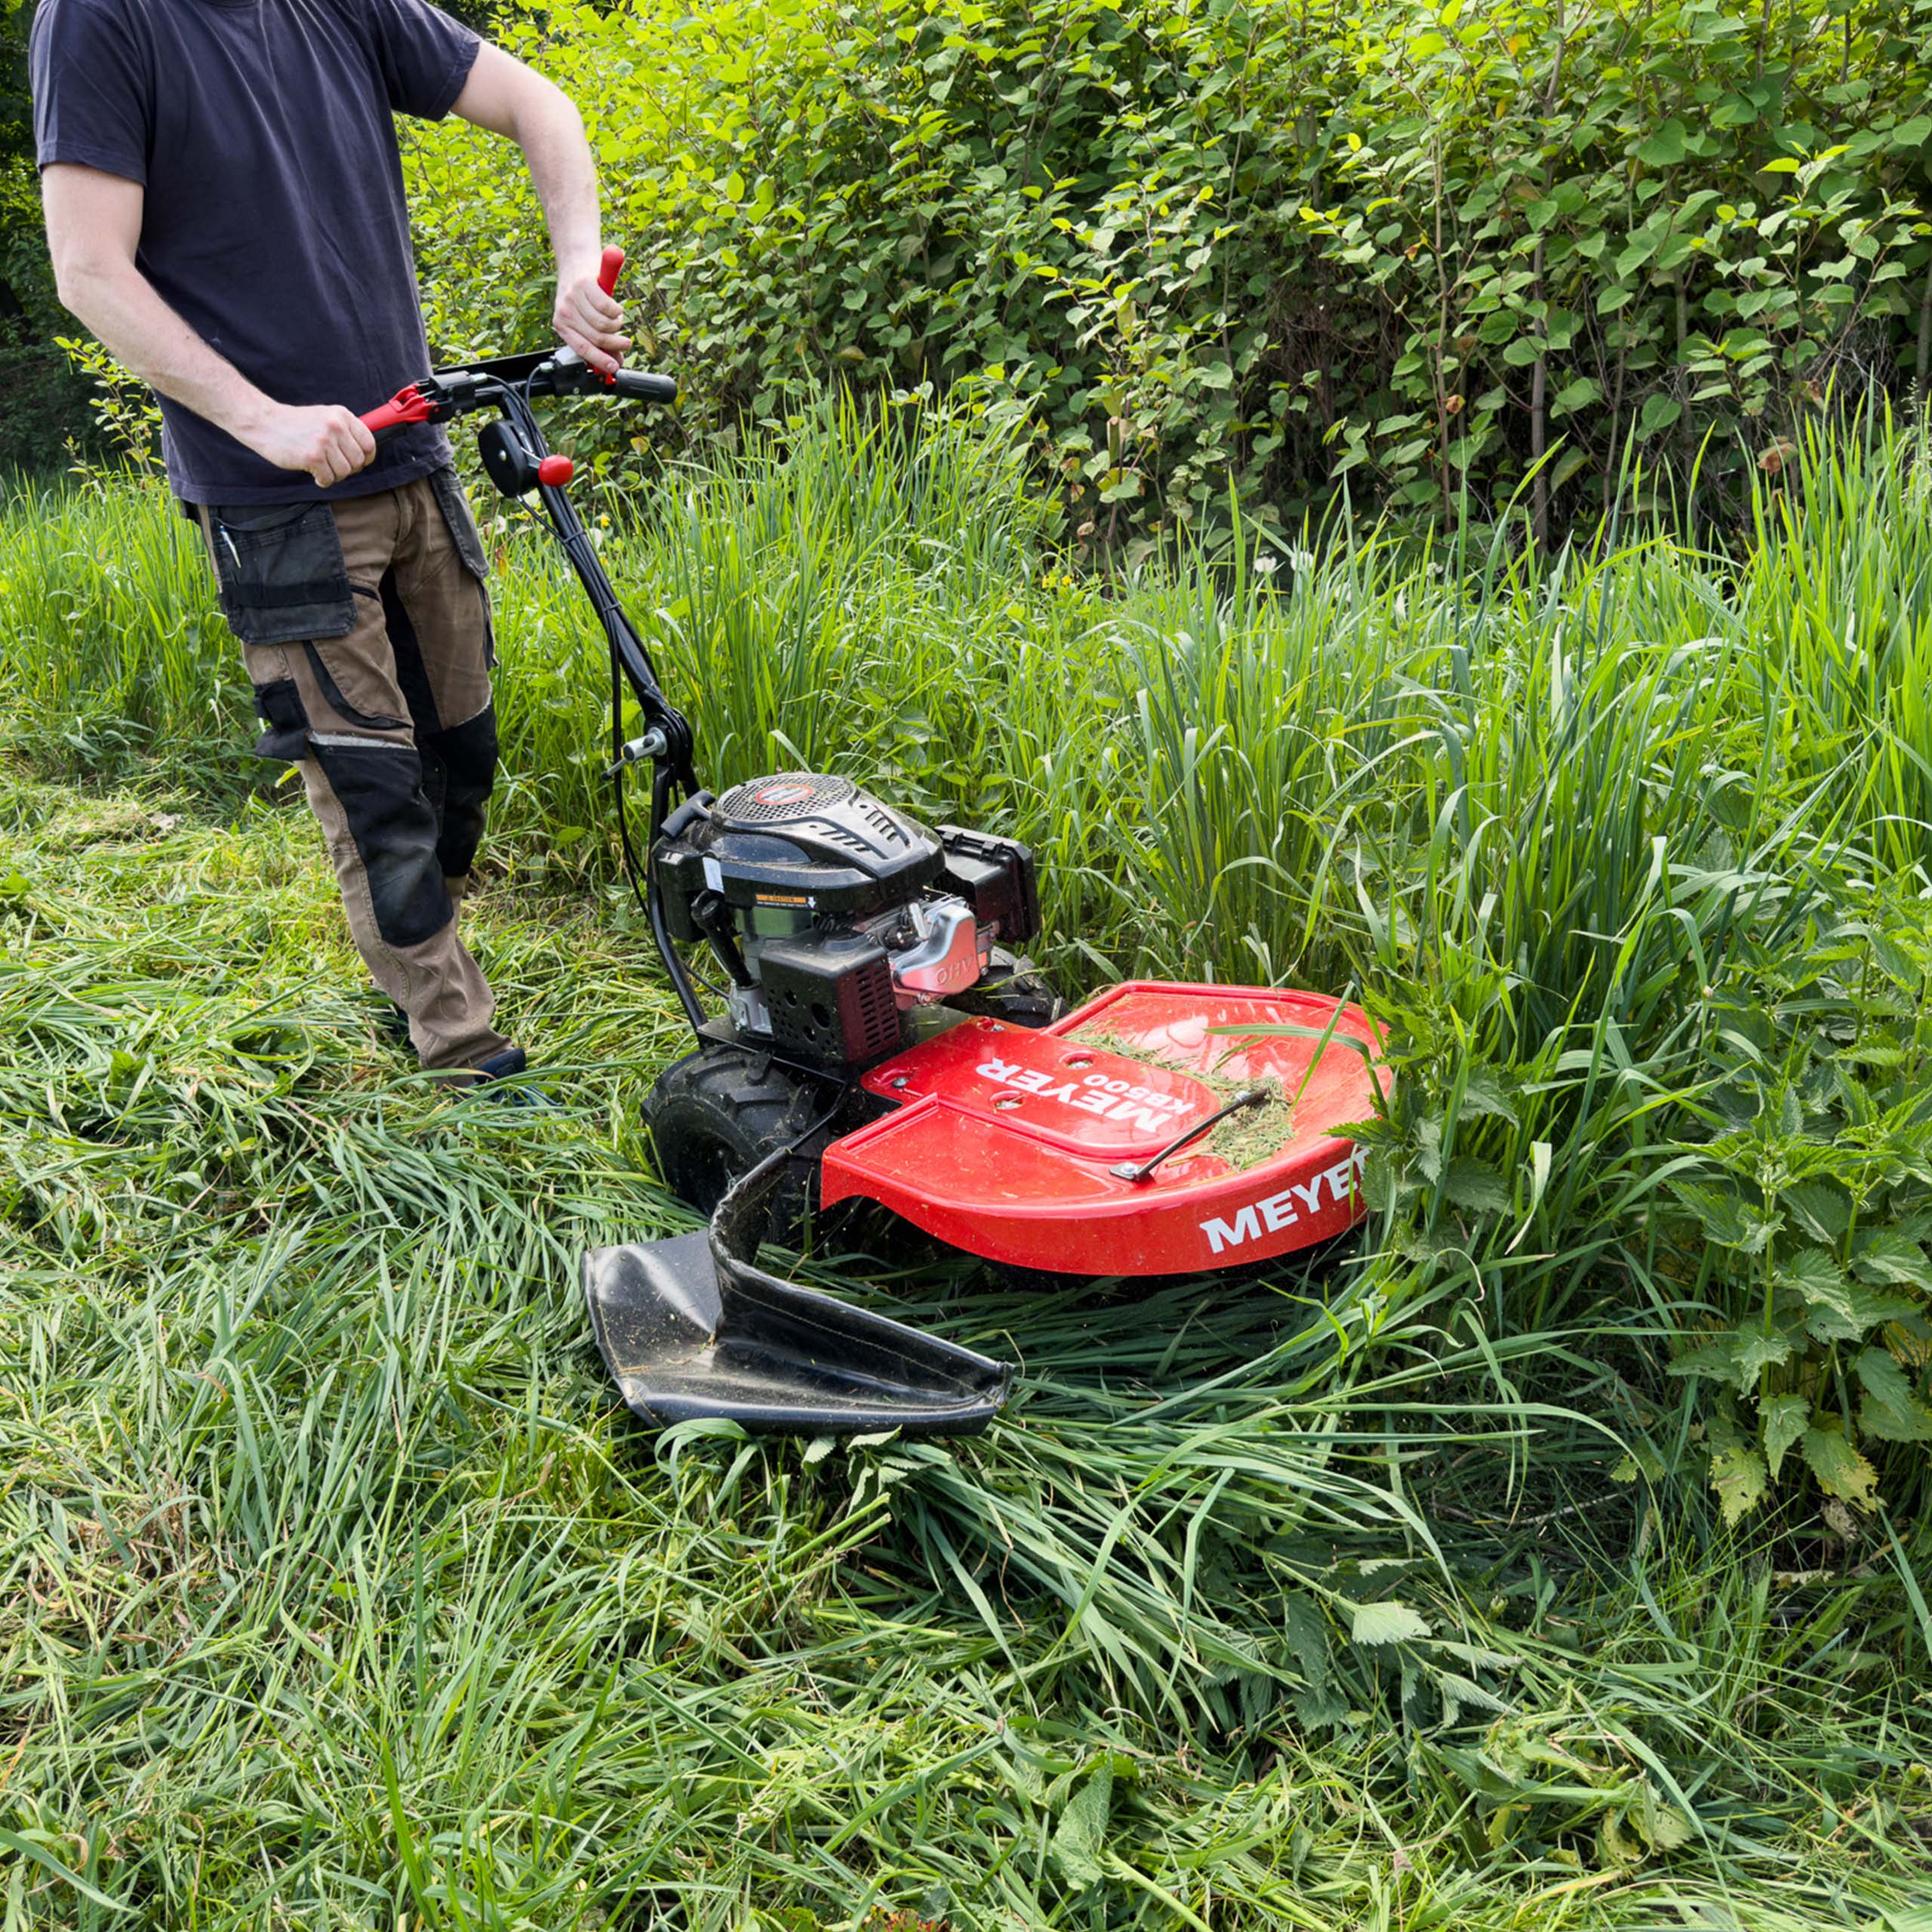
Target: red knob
{"x": 609, "y": 269}
{"x": 556, "y": 471}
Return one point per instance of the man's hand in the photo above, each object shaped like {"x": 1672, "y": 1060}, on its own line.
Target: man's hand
{"x": 591, "y": 321}
{"x": 330, "y": 442}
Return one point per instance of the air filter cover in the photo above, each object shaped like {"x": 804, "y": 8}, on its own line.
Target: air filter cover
{"x": 815, "y": 840}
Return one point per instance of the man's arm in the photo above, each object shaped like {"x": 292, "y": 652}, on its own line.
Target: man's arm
{"x": 94, "y": 226}
{"x": 507, "y": 98}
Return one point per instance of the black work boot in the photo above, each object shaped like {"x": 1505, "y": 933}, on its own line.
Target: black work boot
{"x": 494, "y": 1078}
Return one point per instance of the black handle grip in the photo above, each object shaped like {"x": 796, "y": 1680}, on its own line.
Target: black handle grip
{"x": 645, "y": 388}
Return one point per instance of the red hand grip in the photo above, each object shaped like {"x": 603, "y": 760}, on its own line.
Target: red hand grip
{"x": 556, "y": 471}
{"x": 407, "y": 405}
{"x": 609, "y": 269}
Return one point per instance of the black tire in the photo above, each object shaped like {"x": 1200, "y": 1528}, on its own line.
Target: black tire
{"x": 716, "y": 1114}
{"x": 1013, "y": 989}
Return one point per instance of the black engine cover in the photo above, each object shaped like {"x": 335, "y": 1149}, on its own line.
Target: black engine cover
{"x": 803, "y": 839}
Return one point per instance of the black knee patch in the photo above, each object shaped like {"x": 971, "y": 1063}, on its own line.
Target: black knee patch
{"x": 466, "y": 757}
{"x": 379, "y": 788}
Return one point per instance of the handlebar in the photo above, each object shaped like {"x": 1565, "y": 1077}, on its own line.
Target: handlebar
{"x": 451, "y": 392}
{"x": 645, "y": 387}
{"x": 408, "y": 405}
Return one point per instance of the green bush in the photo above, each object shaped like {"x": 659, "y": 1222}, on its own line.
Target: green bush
{"x": 1415, "y": 253}
{"x": 44, "y": 399}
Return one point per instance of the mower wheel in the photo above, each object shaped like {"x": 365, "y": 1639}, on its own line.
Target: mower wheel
{"x": 716, "y": 1114}
{"x": 1013, "y": 989}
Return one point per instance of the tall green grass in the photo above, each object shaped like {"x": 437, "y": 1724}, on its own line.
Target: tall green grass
{"x": 1412, "y": 1590}
{"x": 1231, "y": 747}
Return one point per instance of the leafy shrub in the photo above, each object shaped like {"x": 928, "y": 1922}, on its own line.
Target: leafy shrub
{"x": 46, "y": 401}
{"x": 1420, "y": 253}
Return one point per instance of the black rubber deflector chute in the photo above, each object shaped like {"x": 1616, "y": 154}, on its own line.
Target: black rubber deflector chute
{"x": 691, "y": 1326}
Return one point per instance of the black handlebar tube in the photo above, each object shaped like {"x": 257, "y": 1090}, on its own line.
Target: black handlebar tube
{"x": 672, "y": 762}
{"x": 506, "y": 385}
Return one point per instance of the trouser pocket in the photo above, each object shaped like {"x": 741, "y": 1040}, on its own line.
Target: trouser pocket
{"x": 280, "y": 571}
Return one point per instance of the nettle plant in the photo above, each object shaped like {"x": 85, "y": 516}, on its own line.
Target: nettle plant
{"x": 1803, "y": 1210}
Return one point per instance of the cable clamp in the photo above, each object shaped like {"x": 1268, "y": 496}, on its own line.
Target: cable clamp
{"x": 653, "y": 744}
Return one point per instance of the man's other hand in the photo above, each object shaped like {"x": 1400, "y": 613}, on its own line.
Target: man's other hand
{"x": 591, "y": 321}
{"x": 330, "y": 442}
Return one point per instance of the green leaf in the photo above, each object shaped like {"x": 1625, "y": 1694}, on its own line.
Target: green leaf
{"x": 1739, "y": 1476}
{"x": 1727, "y": 1218}
{"x": 1885, "y": 1424}
{"x": 1659, "y": 412}
{"x": 1665, "y": 147}
{"x": 1840, "y": 1309}
{"x": 1307, "y": 1632}
{"x": 1642, "y": 1461}
{"x": 1482, "y": 1094}
{"x": 1818, "y": 1208}
{"x": 1784, "y": 1419}
{"x": 1476, "y": 1185}
{"x": 1890, "y": 1410}
{"x": 1886, "y": 1257}
{"x": 1387, "y": 1624}
{"x": 1717, "y": 1359}
{"x": 1756, "y": 1352}
{"x": 1884, "y": 1378}
{"x": 1855, "y": 1313}
{"x": 1081, "y": 1834}
{"x": 1841, "y": 1470}
{"x": 1813, "y": 1272}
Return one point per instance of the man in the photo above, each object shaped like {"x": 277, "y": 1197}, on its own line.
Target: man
{"x": 225, "y": 210}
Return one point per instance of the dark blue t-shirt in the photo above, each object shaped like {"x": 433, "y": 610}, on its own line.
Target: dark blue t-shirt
{"x": 274, "y": 222}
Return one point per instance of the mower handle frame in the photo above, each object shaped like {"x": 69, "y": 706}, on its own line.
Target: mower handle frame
{"x": 505, "y": 387}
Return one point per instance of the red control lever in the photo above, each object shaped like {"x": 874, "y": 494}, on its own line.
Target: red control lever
{"x": 609, "y": 269}
{"x": 556, "y": 471}
{"x": 407, "y": 405}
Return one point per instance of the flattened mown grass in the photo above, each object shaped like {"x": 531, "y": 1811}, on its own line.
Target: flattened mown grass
{"x": 338, "y": 1589}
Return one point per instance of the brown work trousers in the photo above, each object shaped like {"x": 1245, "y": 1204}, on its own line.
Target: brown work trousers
{"x": 364, "y": 624}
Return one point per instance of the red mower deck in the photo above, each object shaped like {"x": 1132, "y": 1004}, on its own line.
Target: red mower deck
{"x": 1006, "y": 1140}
